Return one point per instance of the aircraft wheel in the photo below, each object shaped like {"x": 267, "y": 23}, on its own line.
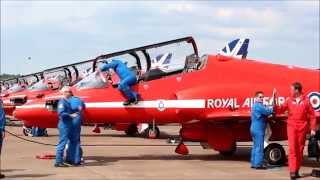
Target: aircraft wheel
{"x": 132, "y": 130}
{"x": 26, "y": 131}
{"x": 231, "y": 151}
{"x": 81, "y": 152}
{"x": 45, "y": 133}
{"x": 152, "y": 134}
{"x": 318, "y": 135}
{"x": 274, "y": 154}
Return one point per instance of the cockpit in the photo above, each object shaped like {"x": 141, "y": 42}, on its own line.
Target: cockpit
{"x": 39, "y": 86}
{"x": 148, "y": 63}
{"x": 15, "y": 88}
{"x": 93, "y": 80}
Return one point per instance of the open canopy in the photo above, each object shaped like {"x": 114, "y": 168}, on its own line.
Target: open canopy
{"x": 148, "y": 62}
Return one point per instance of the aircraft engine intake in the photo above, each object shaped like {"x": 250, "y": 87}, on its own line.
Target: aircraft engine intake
{"x": 17, "y": 101}
{"x": 52, "y": 105}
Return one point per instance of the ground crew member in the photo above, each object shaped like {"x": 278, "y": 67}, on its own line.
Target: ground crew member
{"x": 64, "y": 124}
{"x": 2, "y": 132}
{"x": 127, "y": 78}
{"x": 316, "y": 172}
{"x": 259, "y": 114}
{"x": 299, "y": 111}
{"x": 74, "y": 154}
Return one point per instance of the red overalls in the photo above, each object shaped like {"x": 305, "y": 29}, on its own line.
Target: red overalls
{"x": 297, "y": 126}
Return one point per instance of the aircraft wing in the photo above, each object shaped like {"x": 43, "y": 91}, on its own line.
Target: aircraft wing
{"x": 215, "y": 115}
{"x": 235, "y": 115}
{"x": 224, "y": 115}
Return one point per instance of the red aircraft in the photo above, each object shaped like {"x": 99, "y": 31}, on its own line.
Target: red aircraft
{"x": 209, "y": 96}
{"x": 10, "y": 90}
{"x": 156, "y": 60}
{"x": 29, "y": 87}
{"x": 27, "y": 90}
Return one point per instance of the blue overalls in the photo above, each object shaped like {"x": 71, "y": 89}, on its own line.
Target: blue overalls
{"x": 127, "y": 77}
{"x": 2, "y": 123}
{"x": 64, "y": 127}
{"x": 259, "y": 114}
{"x": 74, "y": 146}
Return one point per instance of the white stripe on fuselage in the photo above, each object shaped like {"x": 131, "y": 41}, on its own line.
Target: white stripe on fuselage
{"x": 6, "y": 101}
{"x": 31, "y": 106}
{"x": 159, "y": 104}
{"x": 198, "y": 103}
{"x": 18, "y": 96}
{"x": 54, "y": 97}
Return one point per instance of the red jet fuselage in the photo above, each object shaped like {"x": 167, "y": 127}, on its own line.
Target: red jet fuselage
{"x": 212, "y": 104}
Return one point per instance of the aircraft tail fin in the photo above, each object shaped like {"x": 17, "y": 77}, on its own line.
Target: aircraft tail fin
{"x": 237, "y": 48}
{"x": 161, "y": 61}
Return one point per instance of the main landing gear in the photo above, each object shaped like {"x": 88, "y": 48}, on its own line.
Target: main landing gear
{"x": 27, "y": 131}
{"x": 34, "y": 131}
{"x": 151, "y": 131}
{"x": 274, "y": 154}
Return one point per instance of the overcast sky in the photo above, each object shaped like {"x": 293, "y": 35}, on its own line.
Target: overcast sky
{"x": 54, "y": 33}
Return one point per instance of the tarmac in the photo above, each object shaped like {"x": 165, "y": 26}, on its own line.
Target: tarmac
{"x": 118, "y": 157}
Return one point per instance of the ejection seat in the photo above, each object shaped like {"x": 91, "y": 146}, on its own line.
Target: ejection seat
{"x": 191, "y": 63}
{"x": 153, "y": 74}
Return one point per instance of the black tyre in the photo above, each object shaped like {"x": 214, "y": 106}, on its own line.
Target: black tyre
{"x": 132, "y": 130}
{"x": 26, "y": 131}
{"x": 81, "y": 152}
{"x": 149, "y": 133}
{"x": 231, "y": 151}
{"x": 274, "y": 154}
{"x": 45, "y": 133}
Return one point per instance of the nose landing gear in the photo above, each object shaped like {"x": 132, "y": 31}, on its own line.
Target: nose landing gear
{"x": 152, "y": 132}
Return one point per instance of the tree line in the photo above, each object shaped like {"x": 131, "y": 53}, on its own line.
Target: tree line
{"x": 8, "y": 76}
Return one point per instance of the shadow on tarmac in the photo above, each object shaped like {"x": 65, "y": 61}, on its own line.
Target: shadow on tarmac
{"x": 28, "y": 176}
{"x": 242, "y": 155}
{"x": 311, "y": 163}
{"x": 162, "y": 135}
{"x": 11, "y": 170}
{"x": 21, "y": 176}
